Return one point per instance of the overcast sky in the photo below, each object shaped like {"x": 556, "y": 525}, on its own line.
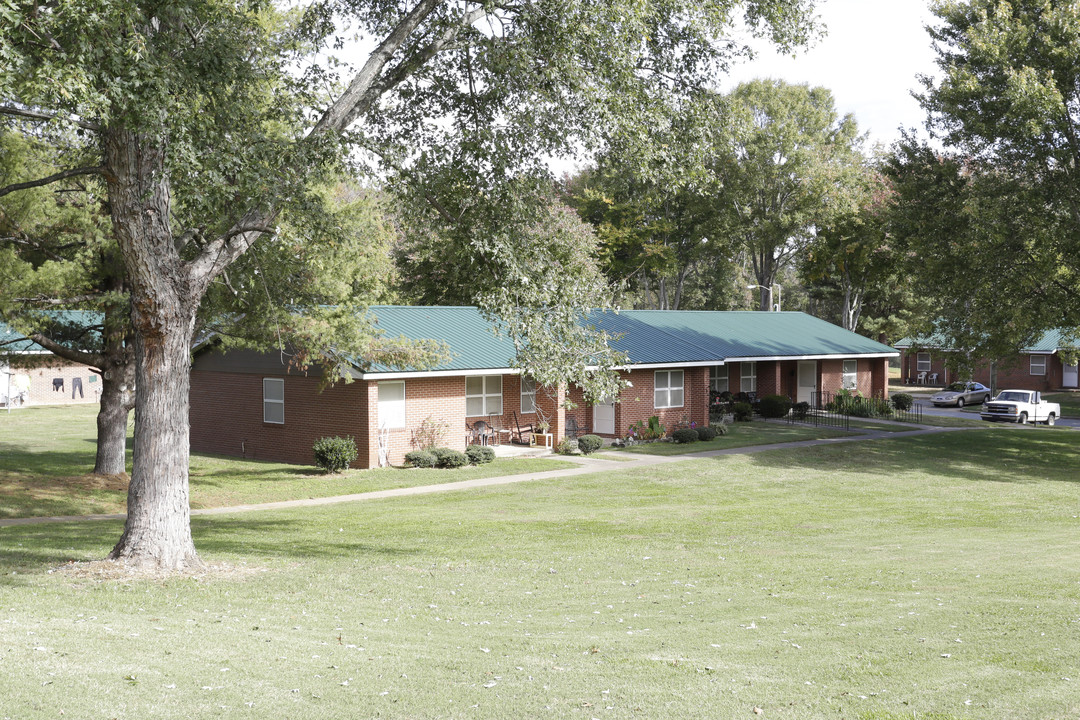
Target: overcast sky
{"x": 869, "y": 59}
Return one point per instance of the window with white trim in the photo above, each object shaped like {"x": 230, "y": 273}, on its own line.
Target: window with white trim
{"x": 718, "y": 378}
{"x": 668, "y": 389}
{"x": 528, "y": 395}
{"x": 1038, "y": 364}
{"x": 483, "y": 395}
{"x": 274, "y": 401}
{"x": 922, "y": 362}
{"x": 748, "y": 377}
{"x": 850, "y": 380}
{"x": 392, "y": 404}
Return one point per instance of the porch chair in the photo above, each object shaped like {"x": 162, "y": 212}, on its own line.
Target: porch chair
{"x": 933, "y": 379}
{"x": 922, "y": 378}
{"x": 518, "y": 437}
{"x": 480, "y": 430}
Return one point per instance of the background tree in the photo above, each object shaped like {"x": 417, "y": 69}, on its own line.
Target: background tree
{"x": 57, "y": 254}
{"x": 851, "y": 258}
{"x": 789, "y": 160}
{"x": 1007, "y": 109}
{"x": 207, "y": 135}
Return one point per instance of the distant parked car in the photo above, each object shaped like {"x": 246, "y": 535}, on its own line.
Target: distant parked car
{"x": 961, "y": 394}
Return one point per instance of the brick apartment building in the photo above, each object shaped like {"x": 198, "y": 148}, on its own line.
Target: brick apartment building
{"x": 1040, "y": 366}
{"x": 250, "y": 404}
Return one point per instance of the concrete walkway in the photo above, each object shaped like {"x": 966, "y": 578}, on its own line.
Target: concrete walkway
{"x": 587, "y": 464}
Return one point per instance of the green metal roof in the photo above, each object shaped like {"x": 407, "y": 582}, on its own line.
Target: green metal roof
{"x": 742, "y": 334}
{"x": 473, "y": 344}
{"x": 1049, "y": 343}
{"x": 72, "y": 323}
{"x": 647, "y": 337}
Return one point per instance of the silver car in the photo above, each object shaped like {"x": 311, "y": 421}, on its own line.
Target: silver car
{"x": 961, "y": 394}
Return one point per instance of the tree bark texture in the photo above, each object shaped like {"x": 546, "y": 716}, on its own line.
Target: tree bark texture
{"x": 157, "y": 532}
{"x": 116, "y": 401}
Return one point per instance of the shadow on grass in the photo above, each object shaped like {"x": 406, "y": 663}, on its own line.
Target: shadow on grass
{"x": 18, "y": 459}
{"x": 285, "y": 537}
{"x": 992, "y": 455}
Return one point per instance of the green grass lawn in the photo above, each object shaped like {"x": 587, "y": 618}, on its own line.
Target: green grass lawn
{"x": 46, "y": 452}
{"x": 934, "y": 576}
{"x": 758, "y": 432}
{"x": 1069, "y": 401}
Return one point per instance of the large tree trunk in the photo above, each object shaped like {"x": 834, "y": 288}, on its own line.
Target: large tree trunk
{"x": 116, "y": 401}
{"x": 117, "y": 391}
{"x": 157, "y": 532}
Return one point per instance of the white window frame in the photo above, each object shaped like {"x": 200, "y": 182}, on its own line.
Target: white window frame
{"x": 920, "y": 364}
{"x": 1032, "y": 365}
{"x": 391, "y": 413}
{"x": 528, "y": 395}
{"x": 664, "y": 391}
{"x": 269, "y": 402}
{"x": 850, "y": 378}
{"x": 718, "y": 379}
{"x": 487, "y": 395}
{"x": 748, "y": 377}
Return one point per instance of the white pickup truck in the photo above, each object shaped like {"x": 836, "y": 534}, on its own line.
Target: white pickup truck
{"x": 1021, "y": 406}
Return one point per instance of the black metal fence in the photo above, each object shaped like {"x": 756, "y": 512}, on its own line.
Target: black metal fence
{"x": 830, "y": 409}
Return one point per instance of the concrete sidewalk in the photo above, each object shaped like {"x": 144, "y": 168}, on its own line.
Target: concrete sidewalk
{"x": 587, "y": 464}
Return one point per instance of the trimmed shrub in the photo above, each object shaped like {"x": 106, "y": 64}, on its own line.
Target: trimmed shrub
{"x": 800, "y": 410}
{"x": 705, "y": 433}
{"x": 448, "y": 458}
{"x": 334, "y": 454}
{"x": 479, "y": 454}
{"x": 421, "y": 458}
{"x": 566, "y": 446}
{"x": 743, "y": 412}
{"x": 589, "y": 444}
{"x": 684, "y": 435}
{"x": 774, "y": 406}
{"x": 902, "y": 401}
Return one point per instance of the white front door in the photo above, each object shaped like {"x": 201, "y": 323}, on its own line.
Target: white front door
{"x": 604, "y": 418}
{"x": 807, "y": 381}
{"x": 1068, "y": 375}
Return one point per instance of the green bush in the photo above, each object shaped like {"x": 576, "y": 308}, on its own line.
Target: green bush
{"x": 774, "y": 406}
{"x": 448, "y": 458}
{"x": 684, "y": 435}
{"x": 800, "y": 410}
{"x": 566, "y": 446}
{"x": 479, "y": 454}
{"x": 589, "y": 444}
{"x": 334, "y": 454}
{"x": 421, "y": 458}
{"x": 742, "y": 412}
{"x": 705, "y": 433}
{"x": 721, "y": 428}
{"x": 902, "y": 401}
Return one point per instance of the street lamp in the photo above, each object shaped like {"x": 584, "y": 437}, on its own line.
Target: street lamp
{"x": 780, "y": 295}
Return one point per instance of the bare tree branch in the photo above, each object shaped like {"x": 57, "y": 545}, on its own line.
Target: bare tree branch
{"x": 46, "y": 300}
{"x": 63, "y": 174}
{"x": 79, "y": 356}
{"x": 45, "y": 117}
{"x": 364, "y": 89}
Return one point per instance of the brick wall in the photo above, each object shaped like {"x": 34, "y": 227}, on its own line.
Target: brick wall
{"x": 1014, "y": 372}
{"x": 227, "y": 416}
{"x": 45, "y": 391}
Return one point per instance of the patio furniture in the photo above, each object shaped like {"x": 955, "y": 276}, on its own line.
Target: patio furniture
{"x": 933, "y": 379}
{"x": 481, "y": 431}
{"x": 922, "y": 378}
{"x": 518, "y": 437}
